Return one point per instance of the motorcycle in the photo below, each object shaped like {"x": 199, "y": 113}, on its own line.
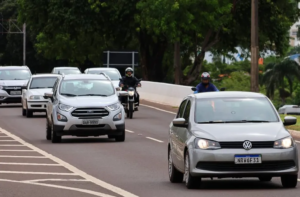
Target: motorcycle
{"x": 129, "y": 104}
{"x": 195, "y": 89}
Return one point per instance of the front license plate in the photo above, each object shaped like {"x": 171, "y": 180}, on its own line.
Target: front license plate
{"x": 90, "y": 122}
{"x": 247, "y": 159}
{"x": 15, "y": 92}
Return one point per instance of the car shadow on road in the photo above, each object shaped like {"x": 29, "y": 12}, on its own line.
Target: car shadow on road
{"x": 82, "y": 140}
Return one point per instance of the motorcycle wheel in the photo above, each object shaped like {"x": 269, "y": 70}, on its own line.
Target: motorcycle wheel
{"x": 130, "y": 111}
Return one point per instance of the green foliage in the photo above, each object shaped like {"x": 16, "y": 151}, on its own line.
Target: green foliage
{"x": 239, "y": 81}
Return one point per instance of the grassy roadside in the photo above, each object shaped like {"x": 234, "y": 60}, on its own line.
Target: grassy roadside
{"x": 295, "y": 127}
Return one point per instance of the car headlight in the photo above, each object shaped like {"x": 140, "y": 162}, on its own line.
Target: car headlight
{"x": 284, "y": 143}
{"x": 64, "y": 107}
{"x": 130, "y": 93}
{"x": 206, "y": 144}
{"x": 35, "y": 97}
{"x": 118, "y": 117}
{"x": 114, "y": 107}
{"x": 61, "y": 117}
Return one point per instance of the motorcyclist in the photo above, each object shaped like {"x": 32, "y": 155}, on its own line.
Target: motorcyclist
{"x": 205, "y": 85}
{"x": 130, "y": 81}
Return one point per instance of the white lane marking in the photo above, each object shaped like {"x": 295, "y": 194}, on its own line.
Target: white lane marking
{"x": 42, "y": 180}
{"x": 299, "y": 180}
{"x": 158, "y": 109}
{"x": 11, "y": 145}
{"x": 17, "y": 151}
{"x": 129, "y": 131}
{"x": 13, "y": 156}
{"x": 68, "y": 166}
{"x": 29, "y": 164}
{"x": 62, "y": 187}
{"x": 298, "y": 141}
{"x": 154, "y": 139}
{"x": 47, "y": 173}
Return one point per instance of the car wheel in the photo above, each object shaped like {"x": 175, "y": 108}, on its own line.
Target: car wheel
{"x": 111, "y": 136}
{"x": 175, "y": 176}
{"x": 289, "y": 181}
{"x": 23, "y": 111}
{"x": 48, "y": 130}
{"x": 121, "y": 138}
{"x": 265, "y": 178}
{"x": 190, "y": 181}
{"x": 54, "y": 137}
{"x": 28, "y": 112}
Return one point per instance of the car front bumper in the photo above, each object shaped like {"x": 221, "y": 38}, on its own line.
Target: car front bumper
{"x": 220, "y": 163}
{"x": 6, "y": 98}
{"x": 37, "y": 106}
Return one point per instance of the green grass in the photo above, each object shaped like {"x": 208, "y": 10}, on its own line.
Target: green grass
{"x": 293, "y": 127}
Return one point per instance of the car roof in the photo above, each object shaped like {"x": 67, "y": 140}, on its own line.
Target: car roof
{"x": 227, "y": 94}
{"x": 66, "y": 68}
{"x": 101, "y": 68}
{"x": 86, "y": 76}
{"x": 45, "y": 75}
{"x": 14, "y": 67}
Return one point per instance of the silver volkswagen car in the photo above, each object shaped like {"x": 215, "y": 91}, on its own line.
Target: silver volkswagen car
{"x": 231, "y": 134}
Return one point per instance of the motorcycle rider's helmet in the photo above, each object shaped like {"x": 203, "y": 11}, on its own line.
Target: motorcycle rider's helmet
{"x": 205, "y": 78}
{"x": 128, "y": 72}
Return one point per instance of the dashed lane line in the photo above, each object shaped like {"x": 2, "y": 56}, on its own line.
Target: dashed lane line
{"x": 14, "y": 156}
{"x": 45, "y": 173}
{"x": 129, "y": 131}
{"x": 150, "y": 138}
{"x": 29, "y": 164}
{"x": 71, "y": 168}
{"x": 158, "y": 109}
{"x": 44, "y": 180}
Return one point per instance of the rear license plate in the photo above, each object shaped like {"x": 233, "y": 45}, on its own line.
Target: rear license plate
{"x": 90, "y": 122}
{"x": 15, "y": 92}
{"x": 247, "y": 159}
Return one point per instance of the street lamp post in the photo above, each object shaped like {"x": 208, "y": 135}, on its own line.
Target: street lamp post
{"x": 254, "y": 47}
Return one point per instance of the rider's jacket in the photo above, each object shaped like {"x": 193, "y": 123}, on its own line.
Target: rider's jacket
{"x": 129, "y": 81}
{"x": 201, "y": 88}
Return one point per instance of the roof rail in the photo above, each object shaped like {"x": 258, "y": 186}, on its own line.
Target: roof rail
{"x": 105, "y": 75}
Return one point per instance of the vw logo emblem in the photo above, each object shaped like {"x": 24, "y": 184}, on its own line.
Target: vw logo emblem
{"x": 247, "y": 145}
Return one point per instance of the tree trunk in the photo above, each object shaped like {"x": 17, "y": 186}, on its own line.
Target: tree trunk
{"x": 177, "y": 64}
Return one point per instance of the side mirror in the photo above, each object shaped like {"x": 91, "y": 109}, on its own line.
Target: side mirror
{"x": 123, "y": 93}
{"x": 222, "y": 89}
{"x": 194, "y": 88}
{"x": 179, "y": 122}
{"x": 118, "y": 89}
{"x": 48, "y": 95}
{"x": 289, "y": 120}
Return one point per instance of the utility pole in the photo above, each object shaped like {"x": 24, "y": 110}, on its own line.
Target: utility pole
{"x": 254, "y": 47}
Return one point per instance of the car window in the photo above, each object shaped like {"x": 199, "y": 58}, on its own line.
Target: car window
{"x": 181, "y": 108}
{"x": 187, "y": 110}
{"x": 113, "y": 74}
{"x": 234, "y": 109}
{"x": 14, "y": 74}
{"x": 86, "y": 87}
{"x": 67, "y": 71}
{"x": 42, "y": 82}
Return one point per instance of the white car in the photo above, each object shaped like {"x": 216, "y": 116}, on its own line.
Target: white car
{"x": 32, "y": 95}
{"x": 112, "y": 73}
{"x": 289, "y": 109}
{"x": 65, "y": 70}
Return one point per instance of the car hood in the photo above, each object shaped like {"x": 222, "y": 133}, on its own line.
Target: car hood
{"x": 13, "y": 82}
{"x": 241, "y": 131}
{"x": 39, "y": 91}
{"x": 89, "y": 101}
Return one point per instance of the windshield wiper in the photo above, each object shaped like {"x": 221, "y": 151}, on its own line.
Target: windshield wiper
{"x": 92, "y": 95}
{"x": 18, "y": 79}
{"x": 232, "y": 121}
{"x": 255, "y": 120}
{"x": 37, "y": 87}
{"x": 65, "y": 94}
{"x": 211, "y": 122}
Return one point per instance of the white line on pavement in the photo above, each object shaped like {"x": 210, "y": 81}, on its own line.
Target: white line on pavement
{"x": 17, "y": 151}
{"x": 154, "y": 139}
{"x": 73, "y": 169}
{"x": 299, "y": 180}
{"x": 158, "y": 109}
{"x": 12, "y": 145}
{"x": 23, "y": 156}
{"x": 29, "y": 164}
{"x": 297, "y": 141}
{"x": 42, "y": 180}
{"x": 48, "y": 173}
{"x": 129, "y": 131}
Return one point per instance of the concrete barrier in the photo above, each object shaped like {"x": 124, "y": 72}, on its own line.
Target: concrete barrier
{"x": 164, "y": 93}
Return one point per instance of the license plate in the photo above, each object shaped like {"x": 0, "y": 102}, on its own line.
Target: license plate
{"x": 90, "y": 122}
{"x": 15, "y": 92}
{"x": 247, "y": 159}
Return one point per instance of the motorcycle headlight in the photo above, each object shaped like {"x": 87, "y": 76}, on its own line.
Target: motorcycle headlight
{"x": 35, "y": 97}
{"x": 130, "y": 93}
{"x": 284, "y": 143}
{"x": 64, "y": 107}
{"x": 206, "y": 144}
{"x": 114, "y": 107}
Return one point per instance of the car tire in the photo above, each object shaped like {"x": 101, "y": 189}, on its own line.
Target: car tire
{"x": 175, "y": 176}
{"x": 48, "y": 130}
{"x": 54, "y": 137}
{"x": 120, "y": 138}
{"x": 191, "y": 182}
{"x": 289, "y": 181}
{"x": 265, "y": 178}
{"x": 28, "y": 112}
{"x": 23, "y": 111}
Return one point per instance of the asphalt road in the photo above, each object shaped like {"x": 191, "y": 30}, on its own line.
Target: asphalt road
{"x": 32, "y": 166}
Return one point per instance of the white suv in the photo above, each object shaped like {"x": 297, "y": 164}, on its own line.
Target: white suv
{"x": 65, "y": 70}
{"x": 112, "y": 73}
{"x": 33, "y": 94}
{"x": 84, "y": 105}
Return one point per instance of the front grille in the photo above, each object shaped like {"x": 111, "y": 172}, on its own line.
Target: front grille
{"x": 90, "y": 112}
{"x": 231, "y": 166}
{"x": 237, "y": 145}
{"x": 9, "y": 89}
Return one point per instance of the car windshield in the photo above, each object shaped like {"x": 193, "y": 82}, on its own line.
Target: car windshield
{"x": 86, "y": 87}
{"x": 14, "y": 74}
{"x": 113, "y": 74}
{"x": 67, "y": 71}
{"x": 231, "y": 110}
{"x": 42, "y": 82}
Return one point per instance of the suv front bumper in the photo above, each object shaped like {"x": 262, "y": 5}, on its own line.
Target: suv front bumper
{"x": 6, "y": 98}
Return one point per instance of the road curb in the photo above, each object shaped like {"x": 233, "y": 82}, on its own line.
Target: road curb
{"x": 295, "y": 134}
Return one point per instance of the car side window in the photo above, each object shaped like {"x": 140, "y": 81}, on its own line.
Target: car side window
{"x": 55, "y": 88}
{"x": 180, "y": 110}
{"x": 187, "y": 110}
